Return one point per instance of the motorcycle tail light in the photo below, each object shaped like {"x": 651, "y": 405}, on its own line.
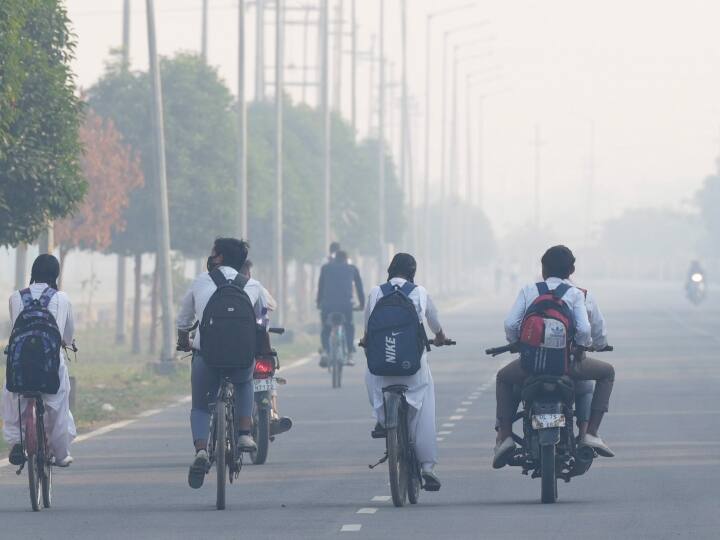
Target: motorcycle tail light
{"x": 264, "y": 368}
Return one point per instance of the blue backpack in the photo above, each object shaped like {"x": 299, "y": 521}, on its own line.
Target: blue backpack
{"x": 33, "y": 353}
{"x": 395, "y": 335}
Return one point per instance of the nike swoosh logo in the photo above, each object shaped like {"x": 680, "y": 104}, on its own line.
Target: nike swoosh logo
{"x": 395, "y": 333}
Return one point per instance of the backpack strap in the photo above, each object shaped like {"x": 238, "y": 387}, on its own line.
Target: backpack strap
{"x": 218, "y": 277}
{"x": 241, "y": 280}
{"x": 26, "y": 297}
{"x": 407, "y": 288}
{"x": 560, "y": 291}
{"x": 387, "y": 288}
{"x": 542, "y": 288}
{"x": 47, "y": 296}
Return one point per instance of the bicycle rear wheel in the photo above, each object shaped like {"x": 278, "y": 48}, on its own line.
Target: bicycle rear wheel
{"x": 397, "y": 465}
{"x": 220, "y": 453}
{"x": 34, "y": 476}
{"x": 44, "y": 466}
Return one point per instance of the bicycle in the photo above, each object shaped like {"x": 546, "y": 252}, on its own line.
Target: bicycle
{"x": 338, "y": 353}
{"x": 403, "y": 466}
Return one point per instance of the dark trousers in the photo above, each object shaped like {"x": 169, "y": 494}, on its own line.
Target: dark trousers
{"x": 347, "y": 313}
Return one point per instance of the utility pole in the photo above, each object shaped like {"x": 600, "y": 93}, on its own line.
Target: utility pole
{"x": 590, "y": 185}
{"x": 373, "y": 86}
{"x": 241, "y": 180}
{"x": 405, "y": 179}
{"x": 353, "y": 68}
{"x": 126, "y": 35}
{"x": 161, "y": 200}
{"x": 381, "y": 135}
{"x": 279, "y": 68}
{"x": 204, "y": 36}
{"x": 325, "y": 106}
{"x": 260, "y": 50}
{"x": 338, "y": 41}
{"x": 20, "y": 266}
{"x": 537, "y": 143}
{"x": 305, "y": 64}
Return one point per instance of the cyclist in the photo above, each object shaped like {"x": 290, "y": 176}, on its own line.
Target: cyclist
{"x": 59, "y": 420}
{"x": 421, "y": 389}
{"x": 335, "y": 295}
{"x": 228, "y": 255}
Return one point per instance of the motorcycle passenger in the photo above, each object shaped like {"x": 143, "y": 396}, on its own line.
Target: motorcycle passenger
{"x": 558, "y": 264}
{"x": 421, "y": 389}
{"x": 228, "y": 255}
{"x": 335, "y": 295}
{"x": 59, "y": 420}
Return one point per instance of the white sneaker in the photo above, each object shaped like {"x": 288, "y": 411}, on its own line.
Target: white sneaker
{"x": 64, "y": 462}
{"x": 503, "y": 451}
{"x": 246, "y": 443}
{"x": 597, "y": 444}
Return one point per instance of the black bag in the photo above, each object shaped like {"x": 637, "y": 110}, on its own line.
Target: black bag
{"x": 33, "y": 353}
{"x": 228, "y": 326}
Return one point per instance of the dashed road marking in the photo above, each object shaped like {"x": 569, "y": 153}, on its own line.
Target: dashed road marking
{"x": 448, "y": 424}
{"x": 367, "y": 511}
{"x": 466, "y": 403}
{"x": 380, "y": 498}
{"x": 351, "y": 527}
{"x": 461, "y": 409}
{"x": 456, "y": 417}
{"x": 439, "y": 439}
{"x": 444, "y": 432}
{"x": 151, "y": 412}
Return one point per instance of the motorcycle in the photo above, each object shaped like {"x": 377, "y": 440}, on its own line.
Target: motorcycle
{"x": 695, "y": 288}
{"x": 548, "y": 448}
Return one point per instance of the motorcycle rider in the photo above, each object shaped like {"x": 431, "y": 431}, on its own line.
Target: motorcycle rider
{"x": 421, "y": 389}
{"x": 335, "y": 295}
{"x": 229, "y": 255}
{"x": 558, "y": 264}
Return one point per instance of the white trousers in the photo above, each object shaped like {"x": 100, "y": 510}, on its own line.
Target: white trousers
{"x": 59, "y": 421}
{"x": 421, "y": 412}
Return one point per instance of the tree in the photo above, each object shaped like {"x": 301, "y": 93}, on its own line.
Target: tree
{"x": 112, "y": 172}
{"x": 40, "y": 178}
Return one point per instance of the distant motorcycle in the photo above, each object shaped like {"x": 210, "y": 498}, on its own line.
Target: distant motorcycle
{"x": 548, "y": 448}
{"x": 696, "y": 289}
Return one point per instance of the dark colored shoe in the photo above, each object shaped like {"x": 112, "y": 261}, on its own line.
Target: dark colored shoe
{"x": 280, "y": 425}
{"x": 17, "y": 456}
{"x": 323, "y": 361}
{"x": 198, "y": 469}
{"x": 430, "y": 481}
{"x": 379, "y": 431}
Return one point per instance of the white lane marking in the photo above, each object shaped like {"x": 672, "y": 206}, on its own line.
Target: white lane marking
{"x": 380, "y": 498}
{"x": 367, "y": 511}
{"x": 151, "y": 412}
{"x": 448, "y": 424}
{"x": 466, "y": 403}
{"x": 183, "y": 400}
{"x": 457, "y": 417}
{"x": 296, "y": 364}
{"x": 105, "y": 429}
{"x": 461, "y": 409}
{"x": 444, "y": 432}
{"x": 439, "y": 439}
{"x": 351, "y": 527}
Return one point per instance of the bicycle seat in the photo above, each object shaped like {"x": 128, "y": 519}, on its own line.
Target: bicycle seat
{"x": 548, "y": 385}
{"x": 396, "y": 388}
{"x": 335, "y": 319}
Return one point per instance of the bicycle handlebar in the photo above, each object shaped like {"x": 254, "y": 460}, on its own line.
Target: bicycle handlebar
{"x": 513, "y": 348}
{"x": 276, "y": 330}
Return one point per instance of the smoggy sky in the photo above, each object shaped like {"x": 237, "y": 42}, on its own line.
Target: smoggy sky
{"x": 644, "y": 73}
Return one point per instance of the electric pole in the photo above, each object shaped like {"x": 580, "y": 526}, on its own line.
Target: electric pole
{"x": 260, "y": 50}
{"x": 241, "y": 180}
{"x": 204, "y": 35}
{"x": 381, "y": 135}
{"x": 405, "y": 178}
{"x": 537, "y": 143}
{"x": 20, "y": 265}
{"x": 161, "y": 200}
{"x": 590, "y": 185}
{"x": 126, "y": 35}
{"x": 338, "y": 40}
{"x": 353, "y": 68}
{"x": 325, "y": 107}
{"x": 279, "y": 65}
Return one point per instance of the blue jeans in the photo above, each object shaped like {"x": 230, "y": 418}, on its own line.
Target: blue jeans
{"x": 205, "y": 383}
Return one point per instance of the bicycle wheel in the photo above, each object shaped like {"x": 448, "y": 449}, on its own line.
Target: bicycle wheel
{"x": 261, "y": 433}
{"x": 220, "y": 453}
{"x": 44, "y": 466}
{"x": 396, "y": 462}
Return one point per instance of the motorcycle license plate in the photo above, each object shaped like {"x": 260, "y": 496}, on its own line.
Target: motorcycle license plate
{"x": 540, "y": 421}
{"x": 263, "y": 385}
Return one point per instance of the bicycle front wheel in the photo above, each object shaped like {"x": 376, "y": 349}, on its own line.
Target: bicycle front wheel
{"x": 34, "y": 476}
{"x": 220, "y": 453}
{"x": 44, "y": 466}
{"x": 397, "y": 464}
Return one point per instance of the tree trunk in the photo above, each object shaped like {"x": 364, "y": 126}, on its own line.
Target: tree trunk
{"x": 120, "y": 302}
{"x": 20, "y": 266}
{"x": 137, "y": 301}
{"x": 301, "y": 291}
{"x": 154, "y": 308}
{"x": 63, "y": 257}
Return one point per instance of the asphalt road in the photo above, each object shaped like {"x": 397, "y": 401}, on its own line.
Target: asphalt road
{"x": 664, "y": 425}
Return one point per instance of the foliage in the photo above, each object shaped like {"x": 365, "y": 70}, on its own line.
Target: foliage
{"x": 40, "y": 177}
{"x": 112, "y": 172}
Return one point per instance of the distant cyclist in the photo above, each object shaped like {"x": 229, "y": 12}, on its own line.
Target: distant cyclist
{"x": 335, "y": 295}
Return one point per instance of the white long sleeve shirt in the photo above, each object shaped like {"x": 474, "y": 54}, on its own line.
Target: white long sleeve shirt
{"x": 202, "y": 288}
{"x": 574, "y": 298}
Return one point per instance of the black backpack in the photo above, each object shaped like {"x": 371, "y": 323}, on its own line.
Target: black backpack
{"x": 228, "y": 326}
{"x": 33, "y": 352}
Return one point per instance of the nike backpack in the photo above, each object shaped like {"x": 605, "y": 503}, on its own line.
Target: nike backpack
{"x": 228, "y": 326}
{"x": 547, "y": 332}
{"x": 33, "y": 352}
{"x": 395, "y": 335}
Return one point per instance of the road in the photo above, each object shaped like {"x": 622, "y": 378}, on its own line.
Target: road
{"x": 664, "y": 425}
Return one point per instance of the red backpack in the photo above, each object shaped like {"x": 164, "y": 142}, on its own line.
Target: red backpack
{"x": 547, "y": 332}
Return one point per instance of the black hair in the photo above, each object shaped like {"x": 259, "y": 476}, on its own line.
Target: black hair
{"x": 246, "y": 267}
{"x": 403, "y": 265}
{"x": 559, "y": 262}
{"x": 45, "y": 269}
{"x": 234, "y": 251}
{"x": 341, "y": 256}
{"x": 334, "y": 248}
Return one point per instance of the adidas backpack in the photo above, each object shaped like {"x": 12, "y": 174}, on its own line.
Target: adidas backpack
{"x": 395, "y": 335}
{"x": 33, "y": 352}
{"x": 228, "y": 325}
{"x": 547, "y": 332}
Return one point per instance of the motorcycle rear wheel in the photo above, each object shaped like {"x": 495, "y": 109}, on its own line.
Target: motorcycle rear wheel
{"x": 261, "y": 434}
{"x": 548, "y": 479}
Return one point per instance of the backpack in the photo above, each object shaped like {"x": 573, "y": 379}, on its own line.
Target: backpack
{"x": 33, "y": 352}
{"x": 228, "y": 326}
{"x": 395, "y": 335}
{"x": 547, "y": 332}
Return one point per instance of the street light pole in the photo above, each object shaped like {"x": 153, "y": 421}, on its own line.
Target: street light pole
{"x": 279, "y": 65}
{"x": 353, "y": 69}
{"x": 241, "y": 180}
{"x": 381, "y": 135}
{"x": 204, "y": 37}
{"x": 327, "y": 133}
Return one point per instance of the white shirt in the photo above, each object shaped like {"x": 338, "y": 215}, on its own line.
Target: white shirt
{"x": 574, "y": 298}
{"x": 202, "y": 288}
{"x": 59, "y": 307}
{"x": 424, "y": 306}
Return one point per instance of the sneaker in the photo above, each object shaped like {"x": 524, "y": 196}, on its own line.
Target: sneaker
{"x": 246, "y": 443}
{"x": 350, "y": 361}
{"x": 17, "y": 456}
{"x": 323, "y": 361}
{"x": 198, "y": 469}
{"x": 430, "y": 480}
{"x": 597, "y": 444}
{"x": 64, "y": 462}
{"x": 503, "y": 451}
{"x": 280, "y": 425}
{"x": 379, "y": 431}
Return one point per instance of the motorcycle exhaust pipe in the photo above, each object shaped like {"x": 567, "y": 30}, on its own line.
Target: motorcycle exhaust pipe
{"x": 583, "y": 460}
